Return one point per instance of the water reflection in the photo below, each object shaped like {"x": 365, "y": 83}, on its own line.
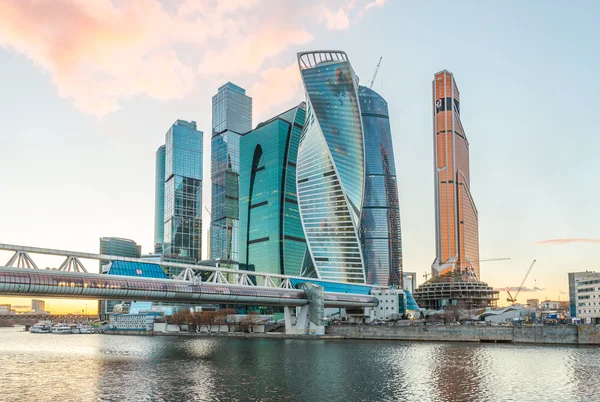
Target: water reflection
{"x": 101, "y": 367}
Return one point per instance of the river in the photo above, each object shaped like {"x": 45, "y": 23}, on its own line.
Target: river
{"x": 51, "y": 367}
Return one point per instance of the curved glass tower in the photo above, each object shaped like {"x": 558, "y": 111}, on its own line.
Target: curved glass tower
{"x": 380, "y": 223}
{"x": 330, "y": 170}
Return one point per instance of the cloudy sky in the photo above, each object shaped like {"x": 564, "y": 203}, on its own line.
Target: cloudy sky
{"x": 89, "y": 88}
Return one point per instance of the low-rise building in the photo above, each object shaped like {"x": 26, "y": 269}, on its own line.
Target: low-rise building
{"x": 134, "y": 322}
{"x": 392, "y": 304}
{"x": 584, "y": 296}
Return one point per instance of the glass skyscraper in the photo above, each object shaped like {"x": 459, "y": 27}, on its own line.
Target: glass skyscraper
{"x": 183, "y": 193}
{"x": 331, "y": 175}
{"x": 117, "y": 247}
{"x": 380, "y": 223}
{"x": 271, "y": 235}
{"x": 159, "y": 201}
{"x": 456, "y": 223}
{"x": 232, "y": 116}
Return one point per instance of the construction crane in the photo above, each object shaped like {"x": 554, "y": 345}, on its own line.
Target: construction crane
{"x": 512, "y": 299}
{"x": 495, "y": 259}
{"x": 376, "y": 70}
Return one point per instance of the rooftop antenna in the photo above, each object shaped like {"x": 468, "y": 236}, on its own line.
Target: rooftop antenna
{"x": 375, "y": 75}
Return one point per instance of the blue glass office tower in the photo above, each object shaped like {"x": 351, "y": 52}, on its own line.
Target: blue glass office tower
{"x": 331, "y": 174}
{"x": 380, "y": 222}
{"x": 271, "y": 235}
{"x": 159, "y": 201}
{"x": 232, "y": 116}
{"x": 183, "y": 193}
{"x": 119, "y": 247}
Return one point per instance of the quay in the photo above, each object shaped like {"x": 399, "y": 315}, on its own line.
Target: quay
{"x": 565, "y": 335}
{"x": 546, "y": 335}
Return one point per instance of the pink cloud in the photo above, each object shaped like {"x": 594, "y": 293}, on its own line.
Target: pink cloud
{"x": 375, "y": 3}
{"x": 335, "y": 20}
{"x": 276, "y": 86}
{"x": 246, "y": 54}
{"x": 100, "y": 52}
{"x": 568, "y": 241}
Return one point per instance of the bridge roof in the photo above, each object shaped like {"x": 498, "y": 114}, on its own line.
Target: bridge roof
{"x": 141, "y": 269}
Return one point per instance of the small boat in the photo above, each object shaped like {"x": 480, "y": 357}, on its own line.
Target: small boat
{"x": 41, "y": 328}
{"x": 86, "y": 329}
{"x": 61, "y": 329}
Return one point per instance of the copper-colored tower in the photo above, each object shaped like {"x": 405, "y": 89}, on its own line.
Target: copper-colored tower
{"x": 456, "y": 222}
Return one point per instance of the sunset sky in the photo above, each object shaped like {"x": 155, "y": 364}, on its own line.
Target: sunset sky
{"x": 89, "y": 89}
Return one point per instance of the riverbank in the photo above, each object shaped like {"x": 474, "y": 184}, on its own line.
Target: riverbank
{"x": 556, "y": 335}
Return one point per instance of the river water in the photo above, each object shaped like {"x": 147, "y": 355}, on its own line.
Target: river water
{"x": 52, "y": 367}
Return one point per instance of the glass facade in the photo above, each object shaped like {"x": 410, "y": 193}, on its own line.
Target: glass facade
{"x": 231, "y": 110}
{"x": 330, "y": 175}
{"x": 159, "y": 201}
{"x": 457, "y": 228}
{"x": 232, "y": 116}
{"x": 271, "y": 235}
{"x": 117, "y": 247}
{"x": 380, "y": 222}
{"x": 183, "y": 193}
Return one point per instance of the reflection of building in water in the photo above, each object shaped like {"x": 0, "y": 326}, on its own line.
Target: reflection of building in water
{"x": 457, "y": 371}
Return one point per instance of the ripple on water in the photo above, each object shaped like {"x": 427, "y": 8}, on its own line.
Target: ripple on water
{"x": 103, "y": 367}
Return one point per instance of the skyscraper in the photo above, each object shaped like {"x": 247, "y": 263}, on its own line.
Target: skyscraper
{"x": 159, "y": 201}
{"x": 183, "y": 193}
{"x": 456, "y": 222}
{"x": 380, "y": 222}
{"x": 117, "y": 247}
{"x": 331, "y": 174}
{"x": 455, "y": 270}
{"x": 232, "y": 116}
{"x": 271, "y": 235}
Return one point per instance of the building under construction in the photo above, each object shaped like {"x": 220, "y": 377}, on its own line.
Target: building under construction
{"x": 454, "y": 290}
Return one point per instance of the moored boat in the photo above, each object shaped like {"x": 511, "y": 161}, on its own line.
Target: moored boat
{"x": 41, "y": 328}
{"x": 61, "y": 329}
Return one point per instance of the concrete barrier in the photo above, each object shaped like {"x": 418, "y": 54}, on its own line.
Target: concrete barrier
{"x": 588, "y": 335}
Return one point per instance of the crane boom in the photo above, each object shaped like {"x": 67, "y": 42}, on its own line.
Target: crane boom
{"x": 524, "y": 279}
{"x": 495, "y": 259}
{"x": 376, "y": 70}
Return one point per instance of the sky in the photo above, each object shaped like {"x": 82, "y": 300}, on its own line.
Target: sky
{"x": 89, "y": 89}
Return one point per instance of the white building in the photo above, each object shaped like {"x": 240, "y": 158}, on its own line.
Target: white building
{"x": 505, "y": 314}
{"x": 392, "y": 303}
{"x": 584, "y": 295}
{"x": 133, "y": 322}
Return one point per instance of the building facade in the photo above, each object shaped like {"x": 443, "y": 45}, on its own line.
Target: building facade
{"x": 159, "y": 201}
{"x": 117, "y": 247}
{"x": 183, "y": 193}
{"x": 330, "y": 169}
{"x": 38, "y": 305}
{"x": 232, "y": 117}
{"x": 381, "y": 237}
{"x": 456, "y": 220}
{"x": 271, "y": 235}
{"x": 584, "y": 296}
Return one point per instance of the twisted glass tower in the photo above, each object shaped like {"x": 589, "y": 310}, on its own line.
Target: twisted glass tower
{"x": 330, "y": 168}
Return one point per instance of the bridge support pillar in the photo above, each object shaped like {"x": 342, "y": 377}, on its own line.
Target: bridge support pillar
{"x": 310, "y": 319}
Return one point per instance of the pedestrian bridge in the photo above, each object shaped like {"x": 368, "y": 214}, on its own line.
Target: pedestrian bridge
{"x": 21, "y": 277}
